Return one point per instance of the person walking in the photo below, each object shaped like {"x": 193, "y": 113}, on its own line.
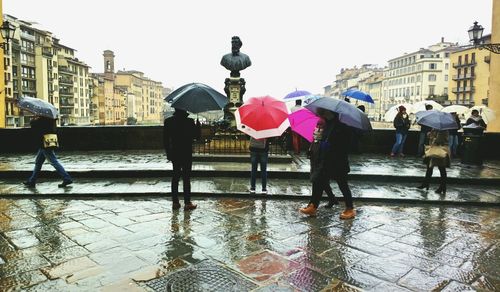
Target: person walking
{"x": 259, "y": 153}
{"x": 42, "y": 126}
{"x": 333, "y": 164}
{"x": 179, "y": 132}
{"x": 296, "y": 138}
{"x": 437, "y": 154}
{"x": 453, "y": 136}
{"x": 422, "y": 137}
{"x": 402, "y": 124}
{"x": 315, "y": 161}
{"x": 476, "y": 120}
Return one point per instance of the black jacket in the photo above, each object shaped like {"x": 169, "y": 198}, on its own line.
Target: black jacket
{"x": 401, "y": 124}
{"x": 179, "y": 132}
{"x": 332, "y": 158}
{"x": 42, "y": 126}
{"x": 479, "y": 123}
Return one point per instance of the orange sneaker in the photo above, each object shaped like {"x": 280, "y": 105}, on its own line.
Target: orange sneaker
{"x": 309, "y": 210}
{"x": 189, "y": 206}
{"x": 348, "y": 214}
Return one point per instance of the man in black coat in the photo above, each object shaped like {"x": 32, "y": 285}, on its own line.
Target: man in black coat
{"x": 333, "y": 164}
{"x": 179, "y": 132}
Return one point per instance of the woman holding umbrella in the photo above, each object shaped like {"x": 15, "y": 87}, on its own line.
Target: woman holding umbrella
{"x": 333, "y": 163}
{"x": 42, "y": 126}
{"x": 437, "y": 152}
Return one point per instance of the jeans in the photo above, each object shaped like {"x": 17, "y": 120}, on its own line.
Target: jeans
{"x": 256, "y": 159}
{"x": 421, "y": 142}
{"x": 51, "y": 157}
{"x": 453, "y": 143}
{"x": 181, "y": 168}
{"x": 400, "y": 141}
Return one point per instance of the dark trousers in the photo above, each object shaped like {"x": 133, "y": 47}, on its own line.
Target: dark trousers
{"x": 182, "y": 168}
{"x": 442, "y": 172}
{"x": 323, "y": 184}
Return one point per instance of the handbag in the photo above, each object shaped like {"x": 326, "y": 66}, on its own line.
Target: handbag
{"x": 50, "y": 141}
{"x": 436, "y": 151}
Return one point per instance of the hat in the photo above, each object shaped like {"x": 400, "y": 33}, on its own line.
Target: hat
{"x": 401, "y": 108}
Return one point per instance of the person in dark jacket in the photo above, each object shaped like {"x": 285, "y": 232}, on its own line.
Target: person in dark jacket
{"x": 476, "y": 120}
{"x": 402, "y": 124}
{"x": 259, "y": 153}
{"x": 333, "y": 164}
{"x": 179, "y": 132}
{"x": 453, "y": 136}
{"x": 422, "y": 137}
{"x": 314, "y": 157}
{"x": 41, "y": 126}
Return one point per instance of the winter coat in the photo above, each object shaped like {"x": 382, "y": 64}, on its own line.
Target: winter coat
{"x": 329, "y": 156}
{"x": 179, "y": 132}
{"x": 401, "y": 124}
{"x": 459, "y": 124}
{"x": 42, "y": 126}
{"x": 438, "y": 138}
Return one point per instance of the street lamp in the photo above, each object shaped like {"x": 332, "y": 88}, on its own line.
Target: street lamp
{"x": 475, "y": 36}
{"x": 8, "y": 30}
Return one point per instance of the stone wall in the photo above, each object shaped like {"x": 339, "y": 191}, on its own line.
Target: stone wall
{"x": 150, "y": 137}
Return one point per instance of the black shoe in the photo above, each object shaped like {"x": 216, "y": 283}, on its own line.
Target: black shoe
{"x": 423, "y": 186}
{"x": 332, "y": 203}
{"x": 441, "y": 190}
{"x": 29, "y": 184}
{"x": 65, "y": 183}
{"x": 176, "y": 205}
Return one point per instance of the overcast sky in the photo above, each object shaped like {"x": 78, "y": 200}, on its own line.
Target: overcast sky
{"x": 292, "y": 44}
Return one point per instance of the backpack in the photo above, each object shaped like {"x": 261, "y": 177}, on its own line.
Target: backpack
{"x": 257, "y": 143}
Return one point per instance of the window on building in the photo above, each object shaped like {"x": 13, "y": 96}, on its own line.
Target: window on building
{"x": 446, "y": 55}
{"x": 466, "y": 58}
{"x": 446, "y": 77}
{"x": 418, "y": 90}
{"x": 411, "y": 90}
{"x": 445, "y": 91}
{"x": 432, "y": 77}
{"x": 432, "y": 88}
{"x": 446, "y": 66}
{"x": 473, "y": 57}
{"x": 459, "y": 59}
{"x": 419, "y": 67}
{"x": 432, "y": 66}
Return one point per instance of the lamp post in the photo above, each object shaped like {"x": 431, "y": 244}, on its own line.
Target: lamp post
{"x": 8, "y": 30}
{"x": 475, "y": 36}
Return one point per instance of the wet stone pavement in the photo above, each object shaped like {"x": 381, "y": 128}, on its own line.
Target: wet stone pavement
{"x": 371, "y": 164}
{"x": 124, "y": 245}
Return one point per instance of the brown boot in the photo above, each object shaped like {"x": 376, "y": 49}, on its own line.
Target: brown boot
{"x": 348, "y": 214}
{"x": 189, "y": 206}
{"x": 309, "y": 210}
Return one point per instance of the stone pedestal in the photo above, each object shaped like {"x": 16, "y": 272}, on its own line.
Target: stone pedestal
{"x": 234, "y": 89}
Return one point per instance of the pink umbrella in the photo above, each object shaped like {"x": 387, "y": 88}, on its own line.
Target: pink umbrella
{"x": 303, "y": 122}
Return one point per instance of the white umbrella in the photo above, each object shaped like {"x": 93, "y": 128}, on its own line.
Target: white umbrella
{"x": 485, "y": 112}
{"x": 459, "y": 109}
{"x": 420, "y": 106}
{"x": 391, "y": 113}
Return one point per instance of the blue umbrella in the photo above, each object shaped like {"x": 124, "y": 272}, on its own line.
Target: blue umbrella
{"x": 297, "y": 94}
{"x": 348, "y": 113}
{"x": 197, "y": 98}
{"x": 436, "y": 120}
{"x": 38, "y": 107}
{"x": 360, "y": 95}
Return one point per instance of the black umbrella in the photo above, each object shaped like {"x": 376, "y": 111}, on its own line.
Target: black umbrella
{"x": 38, "y": 107}
{"x": 197, "y": 98}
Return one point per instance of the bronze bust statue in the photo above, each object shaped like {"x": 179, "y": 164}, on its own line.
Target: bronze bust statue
{"x": 235, "y": 61}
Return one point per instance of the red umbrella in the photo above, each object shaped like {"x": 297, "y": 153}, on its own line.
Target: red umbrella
{"x": 262, "y": 117}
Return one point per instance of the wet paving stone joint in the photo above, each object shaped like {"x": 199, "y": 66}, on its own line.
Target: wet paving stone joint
{"x": 236, "y": 244}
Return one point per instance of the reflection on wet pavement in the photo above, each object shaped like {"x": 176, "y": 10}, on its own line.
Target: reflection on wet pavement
{"x": 69, "y": 245}
{"x": 374, "y": 164}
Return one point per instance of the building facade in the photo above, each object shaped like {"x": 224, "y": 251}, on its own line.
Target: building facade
{"x": 418, "y": 76}
{"x": 38, "y": 65}
{"x": 470, "y": 75}
{"x": 494, "y": 97}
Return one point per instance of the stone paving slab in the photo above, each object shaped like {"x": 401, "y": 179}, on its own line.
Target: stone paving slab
{"x": 365, "y": 164}
{"x": 385, "y": 248}
{"x": 277, "y": 188}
